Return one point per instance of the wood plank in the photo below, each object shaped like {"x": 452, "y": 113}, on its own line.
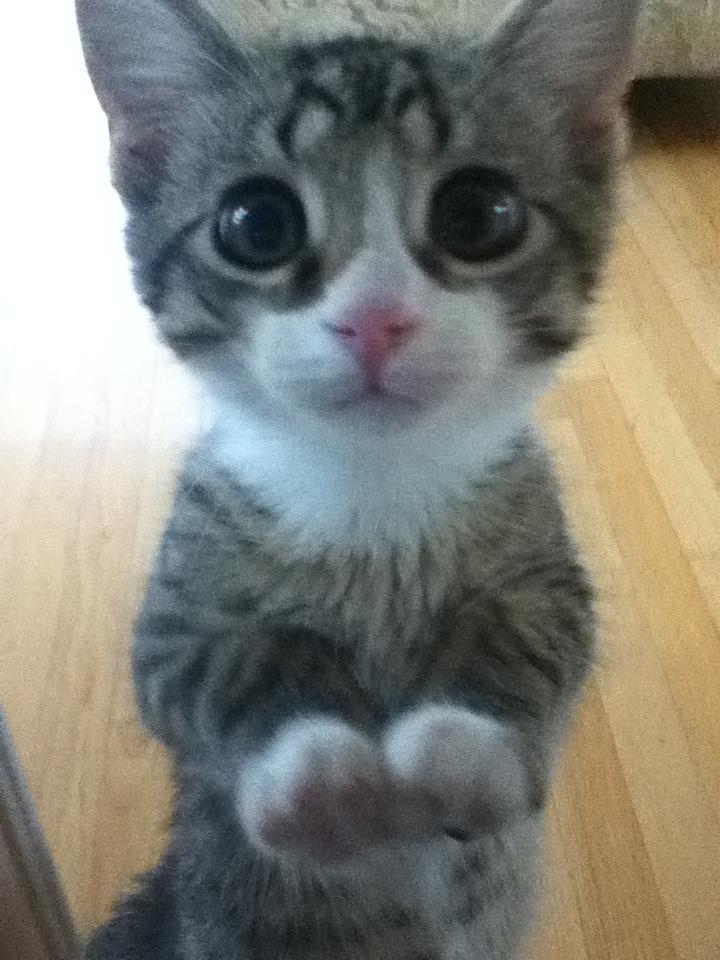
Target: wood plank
{"x": 680, "y": 828}
{"x": 667, "y": 593}
{"x": 696, "y": 302}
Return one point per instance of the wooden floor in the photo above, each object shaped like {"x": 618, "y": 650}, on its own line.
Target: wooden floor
{"x": 93, "y": 415}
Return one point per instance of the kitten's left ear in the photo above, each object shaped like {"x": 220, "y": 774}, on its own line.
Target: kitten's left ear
{"x": 147, "y": 59}
{"x": 581, "y": 50}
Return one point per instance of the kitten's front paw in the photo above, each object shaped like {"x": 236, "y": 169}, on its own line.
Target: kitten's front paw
{"x": 458, "y": 768}
{"x": 319, "y": 791}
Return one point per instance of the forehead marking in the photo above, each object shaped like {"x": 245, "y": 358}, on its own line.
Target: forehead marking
{"x": 417, "y": 127}
{"x": 312, "y": 115}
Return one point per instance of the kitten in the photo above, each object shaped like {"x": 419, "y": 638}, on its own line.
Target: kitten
{"x": 366, "y": 625}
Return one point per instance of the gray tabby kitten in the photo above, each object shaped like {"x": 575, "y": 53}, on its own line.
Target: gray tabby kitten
{"x": 366, "y": 626}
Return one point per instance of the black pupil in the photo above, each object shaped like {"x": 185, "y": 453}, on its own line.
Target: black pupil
{"x": 261, "y": 224}
{"x": 475, "y": 216}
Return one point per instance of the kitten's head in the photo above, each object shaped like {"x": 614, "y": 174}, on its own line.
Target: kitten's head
{"x": 361, "y": 233}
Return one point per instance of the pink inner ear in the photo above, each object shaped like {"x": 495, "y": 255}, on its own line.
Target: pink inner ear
{"x": 599, "y": 137}
{"x": 137, "y": 159}
{"x": 141, "y": 145}
{"x": 150, "y": 146}
{"x": 600, "y": 124}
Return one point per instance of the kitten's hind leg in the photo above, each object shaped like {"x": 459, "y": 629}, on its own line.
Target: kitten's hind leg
{"x": 143, "y": 924}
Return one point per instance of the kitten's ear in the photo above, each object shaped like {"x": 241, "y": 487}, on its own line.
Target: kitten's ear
{"x": 146, "y": 58}
{"x": 581, "y": 49}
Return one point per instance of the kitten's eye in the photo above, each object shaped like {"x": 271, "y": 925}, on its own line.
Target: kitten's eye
{"x": 261, "y": 224}
{"x": 475, "y": 216}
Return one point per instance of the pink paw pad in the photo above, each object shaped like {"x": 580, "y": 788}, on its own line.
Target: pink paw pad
{"x": 319, "y": 791}
{"x": 460, "y": 769}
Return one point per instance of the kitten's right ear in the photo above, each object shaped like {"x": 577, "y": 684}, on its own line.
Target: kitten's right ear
{"x": 146, "y": 58}
{"x": 582, "y": 51}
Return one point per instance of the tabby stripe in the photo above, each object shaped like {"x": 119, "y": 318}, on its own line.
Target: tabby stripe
{"x": 197, "y": 341}
{"x": 199, "y": 496}
{"x": 155, "y": 276}
{"x": 543, "y": 341}
{"x": 573, "y": 241}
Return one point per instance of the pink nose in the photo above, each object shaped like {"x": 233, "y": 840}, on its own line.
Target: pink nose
{"x": 373, "y": 334}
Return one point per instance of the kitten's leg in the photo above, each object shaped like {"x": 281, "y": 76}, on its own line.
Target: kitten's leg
{"x": 144, "y": 923}
{"x": 481, "y": 743}
{"x": 276, "y": 721}
{"x": 468, "y": 775}
{"x": 480, "y": 746}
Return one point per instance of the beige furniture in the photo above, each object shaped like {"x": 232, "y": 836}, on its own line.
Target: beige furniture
{"x": 677, "y": 37}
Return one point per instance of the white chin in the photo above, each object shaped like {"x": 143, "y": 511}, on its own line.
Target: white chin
{"x": 381, "y": 408}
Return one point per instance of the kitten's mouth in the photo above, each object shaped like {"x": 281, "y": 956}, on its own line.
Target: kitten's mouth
{"x": 375, "y": 396}
{"x": 397, "y": 400}
{"x": 410, "y": 394}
